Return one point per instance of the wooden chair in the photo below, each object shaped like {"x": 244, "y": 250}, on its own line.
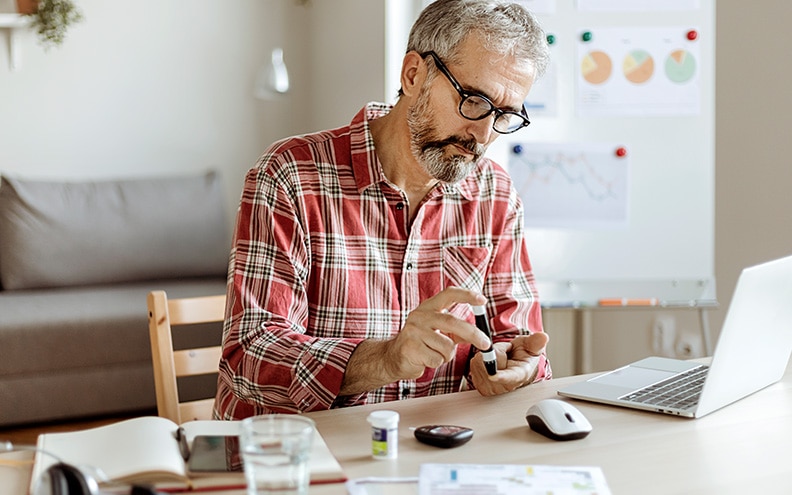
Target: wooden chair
{"x": 169, "y": 365}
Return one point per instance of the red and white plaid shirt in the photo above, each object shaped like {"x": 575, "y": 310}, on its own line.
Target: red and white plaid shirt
{"x": 324, "y": 257}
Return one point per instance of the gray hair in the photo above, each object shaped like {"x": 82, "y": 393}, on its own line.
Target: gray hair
{"x": 504, "y": 28}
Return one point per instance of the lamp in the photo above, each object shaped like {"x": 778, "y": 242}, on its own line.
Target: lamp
{"x": 272, "y": 79}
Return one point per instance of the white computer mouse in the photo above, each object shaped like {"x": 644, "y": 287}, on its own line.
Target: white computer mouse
{"x": 557, "y": 419}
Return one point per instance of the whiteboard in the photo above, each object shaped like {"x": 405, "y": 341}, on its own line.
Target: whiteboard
{"x": 667, "y": 239}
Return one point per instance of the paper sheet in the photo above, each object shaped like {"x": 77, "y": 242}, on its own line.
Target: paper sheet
{"x": 511, "y": 479}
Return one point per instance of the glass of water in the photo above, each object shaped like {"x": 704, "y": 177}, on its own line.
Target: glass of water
{"x": 275, "y": 450}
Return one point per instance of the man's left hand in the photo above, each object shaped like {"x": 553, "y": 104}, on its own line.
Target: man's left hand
{"x": 518, "y": 362}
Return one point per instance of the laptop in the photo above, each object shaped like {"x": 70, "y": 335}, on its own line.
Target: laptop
{"x": 752, "y": 353}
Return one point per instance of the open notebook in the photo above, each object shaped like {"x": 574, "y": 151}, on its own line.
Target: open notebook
{"x": 752, "y": 352}
{"x": 146, "y": 450}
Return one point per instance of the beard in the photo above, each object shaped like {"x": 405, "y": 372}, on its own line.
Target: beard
{"x": 435, "y": 154}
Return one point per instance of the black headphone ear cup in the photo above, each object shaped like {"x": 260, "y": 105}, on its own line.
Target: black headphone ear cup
{"x": 65, "y": 479}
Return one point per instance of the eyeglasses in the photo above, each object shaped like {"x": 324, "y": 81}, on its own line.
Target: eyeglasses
{"x": 474, "y": 106}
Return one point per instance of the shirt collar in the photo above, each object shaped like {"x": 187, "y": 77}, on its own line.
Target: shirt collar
{"x": 365, "y": 165}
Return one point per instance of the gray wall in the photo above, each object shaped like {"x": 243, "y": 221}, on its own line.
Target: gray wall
{"x": 753, "y": 220}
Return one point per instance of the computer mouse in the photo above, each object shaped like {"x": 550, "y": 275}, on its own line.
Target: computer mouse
{"x": 558, "y": 420}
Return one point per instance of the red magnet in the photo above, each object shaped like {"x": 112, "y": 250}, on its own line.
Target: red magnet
{"x": 692, "y": 35}
{"x": 621, "y": 151}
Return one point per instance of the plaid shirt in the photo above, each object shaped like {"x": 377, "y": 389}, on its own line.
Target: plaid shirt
{"x": 324, "y": 257}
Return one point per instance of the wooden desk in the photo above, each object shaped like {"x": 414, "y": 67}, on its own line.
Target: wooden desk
{"x": 744, "y": 448}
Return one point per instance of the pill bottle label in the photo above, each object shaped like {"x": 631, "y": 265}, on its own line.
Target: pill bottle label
{"x": 384, "y": 434}
{"x": 383, "y": 442}
{"x": 379, "y": 441}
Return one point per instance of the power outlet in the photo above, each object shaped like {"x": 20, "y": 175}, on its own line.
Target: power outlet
{"x": 664, "y": 336}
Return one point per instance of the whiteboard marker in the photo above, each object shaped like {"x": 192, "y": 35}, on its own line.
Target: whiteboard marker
{"x": 489, "y": 355}
{"x": 619, "y": 301}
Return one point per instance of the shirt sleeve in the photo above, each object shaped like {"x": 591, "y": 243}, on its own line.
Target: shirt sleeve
{"x": 271, "y": 361}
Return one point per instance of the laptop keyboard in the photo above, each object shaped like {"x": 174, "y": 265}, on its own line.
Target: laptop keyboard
{"x": 680, "y": 391}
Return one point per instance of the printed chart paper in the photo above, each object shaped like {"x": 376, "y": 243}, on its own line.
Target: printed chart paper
{"x": 512, "y": 479}
{"x": 639, "y": 72}
{"x": 572, "y": 185}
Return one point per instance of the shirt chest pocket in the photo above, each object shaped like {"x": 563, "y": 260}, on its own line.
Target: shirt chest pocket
{"x": 465, "y": 266}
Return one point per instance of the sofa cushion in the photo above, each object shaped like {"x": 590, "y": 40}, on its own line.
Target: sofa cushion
{"x": 47, "y": 330}
{"x": 58, "y": 234}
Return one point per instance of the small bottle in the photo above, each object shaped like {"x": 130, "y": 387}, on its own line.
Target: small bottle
{"x": 384, "y": 434}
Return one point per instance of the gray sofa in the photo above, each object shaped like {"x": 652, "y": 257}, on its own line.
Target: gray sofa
{"x": 76, "y": 262}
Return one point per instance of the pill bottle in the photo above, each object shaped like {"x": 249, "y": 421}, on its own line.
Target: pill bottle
{"x": 384, "y": 434}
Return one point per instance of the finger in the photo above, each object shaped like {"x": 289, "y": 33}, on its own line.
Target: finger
{"x": 537, "y": 343}
{"x": 491, "y": 385}
{"x": 455, "y": 329}
{"x": 502, "y": 352}
{"x": 414, "y": 356}
{"x": 512, "y": 373}
{"x": 421, "y": 344}
{"x": 443, "y": 345}
{"x": 430, "y": 338}
{"x": 450, "y": 296}
{"x": 516, "y": 374}
{"x": 480, "y": 377}
{"x": 433, "y": 359}
{"x": 526, "y": 346}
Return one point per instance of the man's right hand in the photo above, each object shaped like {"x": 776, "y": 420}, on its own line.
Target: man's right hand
{"x": 430, "y": 335}
{"x": 427, "y": 340}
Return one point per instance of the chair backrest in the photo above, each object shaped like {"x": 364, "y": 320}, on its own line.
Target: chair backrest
{"x": 169, "y": 365}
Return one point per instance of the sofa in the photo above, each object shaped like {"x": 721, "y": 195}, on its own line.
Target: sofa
{"x": 77, "y": 260}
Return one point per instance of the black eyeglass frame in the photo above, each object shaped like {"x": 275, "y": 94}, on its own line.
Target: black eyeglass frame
{"x": 465, "y": 95}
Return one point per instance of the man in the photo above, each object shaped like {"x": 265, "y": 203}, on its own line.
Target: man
{"x": 359, "y": 251}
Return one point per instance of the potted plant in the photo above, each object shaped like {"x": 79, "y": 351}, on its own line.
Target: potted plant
{"x": 50, "y": 18}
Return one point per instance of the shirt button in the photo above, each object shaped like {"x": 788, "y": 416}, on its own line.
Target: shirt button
{"x": 399, "y": 205}
{"x": 405, "y": 392}
{"x": 409, "y": 266}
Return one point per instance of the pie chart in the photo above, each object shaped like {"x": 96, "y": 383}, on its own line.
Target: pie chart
{"x": 596, "y": 67}
{"x": 680, "y": 66}
{"x": 638, "y": 66}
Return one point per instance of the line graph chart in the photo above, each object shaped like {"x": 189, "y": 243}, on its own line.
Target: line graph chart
{"x": 571, "y": 185}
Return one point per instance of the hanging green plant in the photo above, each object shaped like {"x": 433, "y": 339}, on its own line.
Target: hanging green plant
{"x": 52, "y": 18}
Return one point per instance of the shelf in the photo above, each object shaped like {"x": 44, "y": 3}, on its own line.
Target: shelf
{"x": 11, "y": 23}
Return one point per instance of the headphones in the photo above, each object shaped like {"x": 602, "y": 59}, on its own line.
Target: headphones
{"x": 65, "y": 479}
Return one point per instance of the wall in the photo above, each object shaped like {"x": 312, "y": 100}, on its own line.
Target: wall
{"x": 346, "y": 59}
{"x": 145, "y": 87}
{"x": 754, "y": 118}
